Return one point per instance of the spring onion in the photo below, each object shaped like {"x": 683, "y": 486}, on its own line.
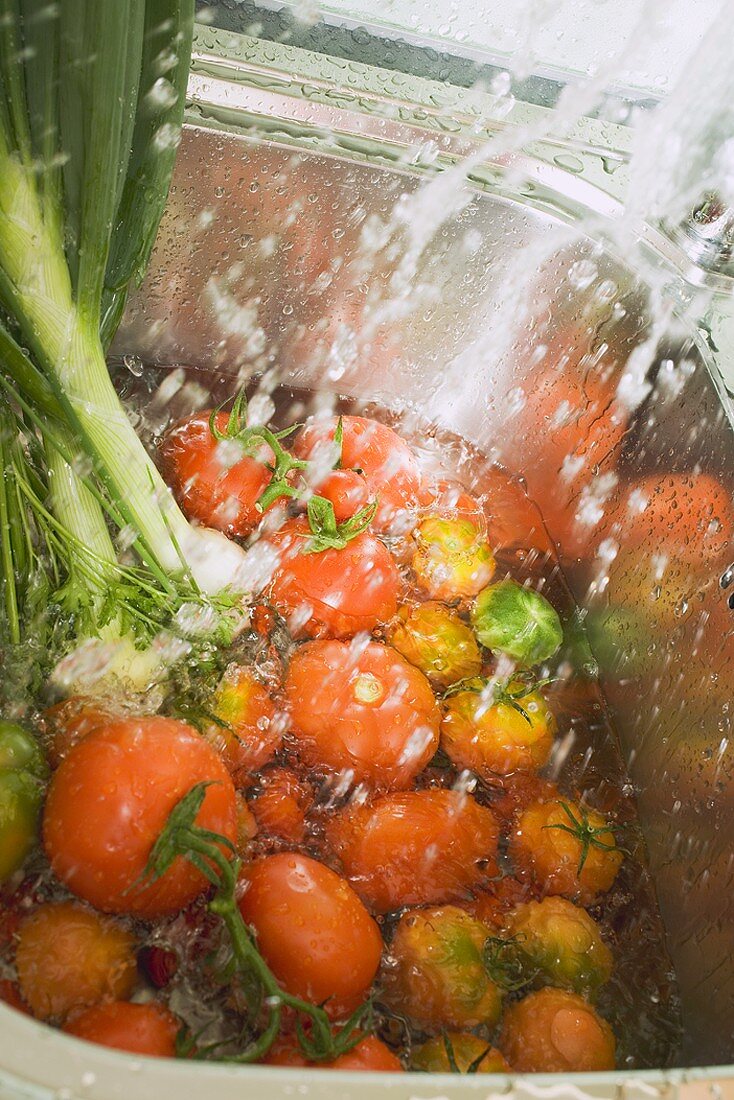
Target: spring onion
{"x": 91, "y": 108}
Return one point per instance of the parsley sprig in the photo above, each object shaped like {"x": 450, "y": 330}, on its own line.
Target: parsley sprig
{"x": 214, "y": 856}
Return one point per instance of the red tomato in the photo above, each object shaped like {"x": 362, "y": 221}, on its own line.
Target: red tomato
{"x": 281, "y": 804}
{"x": 312, "y": 929}
{"x": 363, "y": 709}
{"x": 347, "y": 490}
{"x": 213, "y": 481}
{"x": 574, "y": 425}
{"x": 109, "y": 801}
{"x": 139, "y": 1029}
{"x": 416, "y": 848}
{"x": 333, "y": 593}
{"x": 369, "y": 1054}
{"x": 386, "y": 461}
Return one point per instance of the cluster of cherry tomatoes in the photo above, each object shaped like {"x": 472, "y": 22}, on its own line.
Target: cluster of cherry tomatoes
{"x": 371, "y": 764}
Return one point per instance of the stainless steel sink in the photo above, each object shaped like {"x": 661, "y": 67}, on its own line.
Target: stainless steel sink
{"x": 299, "y": 244}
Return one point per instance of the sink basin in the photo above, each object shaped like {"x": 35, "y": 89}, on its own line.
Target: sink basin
{"x": 312, "y": 245}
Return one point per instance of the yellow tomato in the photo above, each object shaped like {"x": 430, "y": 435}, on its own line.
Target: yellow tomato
{"x": 498, "y": 731}
{"x": 452, "y": 560}
{"x": 553, "y": 1031}
{"x": 435, "y": 639}
{"x": 565, "y": 849}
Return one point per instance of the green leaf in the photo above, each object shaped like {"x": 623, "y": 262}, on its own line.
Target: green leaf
{"x": 104, "y": 48}
{"x": 160, "y": 107}
{"x": 339, "y": 443}
{"x": 326, "y": 533}
{"x": 168, "y": 845}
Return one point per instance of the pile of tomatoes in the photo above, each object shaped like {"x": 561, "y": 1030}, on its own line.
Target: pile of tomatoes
{"x": 371, "y": 752}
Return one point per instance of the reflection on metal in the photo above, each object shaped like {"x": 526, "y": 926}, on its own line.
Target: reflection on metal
{"x": 276, "y": 255}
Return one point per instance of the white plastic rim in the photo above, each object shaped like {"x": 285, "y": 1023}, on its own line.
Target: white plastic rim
{"x": 40, "y": 1063}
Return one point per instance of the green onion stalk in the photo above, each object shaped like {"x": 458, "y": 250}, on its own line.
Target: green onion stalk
{"x": 91, "y": 107}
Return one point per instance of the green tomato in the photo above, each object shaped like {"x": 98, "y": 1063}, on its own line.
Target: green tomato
{"x": 562, "y": 944}
{"x": 457, "y": 1052}
{"x": 508, "y": 618}
{"x": 434, "y": 639}
{"x": 436, "y": 976}
{"x": 22, "y": 771}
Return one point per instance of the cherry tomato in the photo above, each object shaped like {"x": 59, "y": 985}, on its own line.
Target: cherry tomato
{"x": 110, "y": 800}
{"x": 369, "y": 1054}
{"x": 66, "y": 723}
{"x": 362, "y": 709}
{"x": 312, "y": 929}
{"x": 214, "y": 481}
{"x": 560, "y": 942}
{"x": 565, "y": 849}
{"x": 457, "y": 1052}
{"x": 415, "y": 848}
{"x": 386, "y": 461}
{"x": 252, "y": 729}
{"x": 280, "y": 805}
{"x": 574, "y": 425}
{"x": 139, "y": 1029}
{"x": 347, "y": 490}
{"x": 553, "y": 1031}
{"x": 69, "y": 957}
{"x": 436, "y": 975}
{"x": 434, "y": 639}
{"x": 510, "y": 731}
{"x": 333, "y": 593}
{"x": 452, "y": 560}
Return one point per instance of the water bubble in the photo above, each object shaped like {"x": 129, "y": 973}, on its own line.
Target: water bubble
{"x": 162, "y": 94}
{"x": 134, "y": 364}
{"x": 166, "y": 137}
{"x": 582, "y": 273}
{"x": 501, "y": 84}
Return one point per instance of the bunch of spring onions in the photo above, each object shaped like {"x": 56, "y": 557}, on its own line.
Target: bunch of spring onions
{"x": 92, "y": 545}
